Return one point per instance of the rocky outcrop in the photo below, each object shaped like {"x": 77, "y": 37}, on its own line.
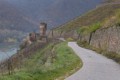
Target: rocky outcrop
{"x": 107, "y": 39}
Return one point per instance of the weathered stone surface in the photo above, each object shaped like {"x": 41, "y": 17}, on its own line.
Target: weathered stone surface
{"x": 107, "y": 39}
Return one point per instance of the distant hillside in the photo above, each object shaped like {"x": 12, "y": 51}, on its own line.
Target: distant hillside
{"x": 6, "y": 35}
{"x": 12, "y": 19}
{"x": 13, "y": 24}
{"x": 54, "y": 12}
{"x": 25, "y": 15}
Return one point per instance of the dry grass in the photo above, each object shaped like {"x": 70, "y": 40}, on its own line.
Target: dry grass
{"x": 98, "y": 14}
{"x": 109, "y": 1}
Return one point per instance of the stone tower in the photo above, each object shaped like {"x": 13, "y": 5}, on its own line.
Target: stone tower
{"x": 43, "y": 29}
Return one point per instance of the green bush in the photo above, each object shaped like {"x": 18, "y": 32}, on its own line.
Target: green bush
{"x": 94, "y": 27}
{"x": 70, "y": 39}
{"x": 85, "y": 30}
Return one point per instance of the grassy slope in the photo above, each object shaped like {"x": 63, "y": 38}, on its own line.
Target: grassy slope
{"x": 35, "y": 68}
{"x": 97, "y": 15}
{"x": 108, "y": 1}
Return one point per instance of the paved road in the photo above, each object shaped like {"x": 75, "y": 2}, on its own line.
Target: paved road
{"x": 95, "y": 66}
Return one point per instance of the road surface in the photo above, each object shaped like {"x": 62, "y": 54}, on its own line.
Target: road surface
{"x": 95, "y": 66}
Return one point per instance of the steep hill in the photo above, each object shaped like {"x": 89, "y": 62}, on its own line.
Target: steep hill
{"x": 109, "y": 1}
{"x": 96, "y": 15}
{"x": 99, "y": 30}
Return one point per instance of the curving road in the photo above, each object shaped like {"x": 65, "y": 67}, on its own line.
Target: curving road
{"x": 95, "y": 66}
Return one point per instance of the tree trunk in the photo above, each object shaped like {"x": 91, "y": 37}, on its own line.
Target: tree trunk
{"x": 90, "y": 37}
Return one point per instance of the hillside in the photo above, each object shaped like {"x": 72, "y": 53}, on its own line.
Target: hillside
{"x": 54, "y": 12}
{"x": 109, "y": 1}
{"x": 11, "y": 18}
{"x": 54, "y": 61}
{"x": 99, "y": 30}
{"x": 97, "y": 15}
{"x": 24, "y": 15}
{"x": 12, "y": 22}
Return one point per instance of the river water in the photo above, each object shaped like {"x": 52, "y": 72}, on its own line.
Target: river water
{"x": 6, "y": 54}
{"x": 7, "y": 50}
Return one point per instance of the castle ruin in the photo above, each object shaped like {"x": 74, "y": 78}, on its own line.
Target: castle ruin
{"x": 36, "y": 37}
